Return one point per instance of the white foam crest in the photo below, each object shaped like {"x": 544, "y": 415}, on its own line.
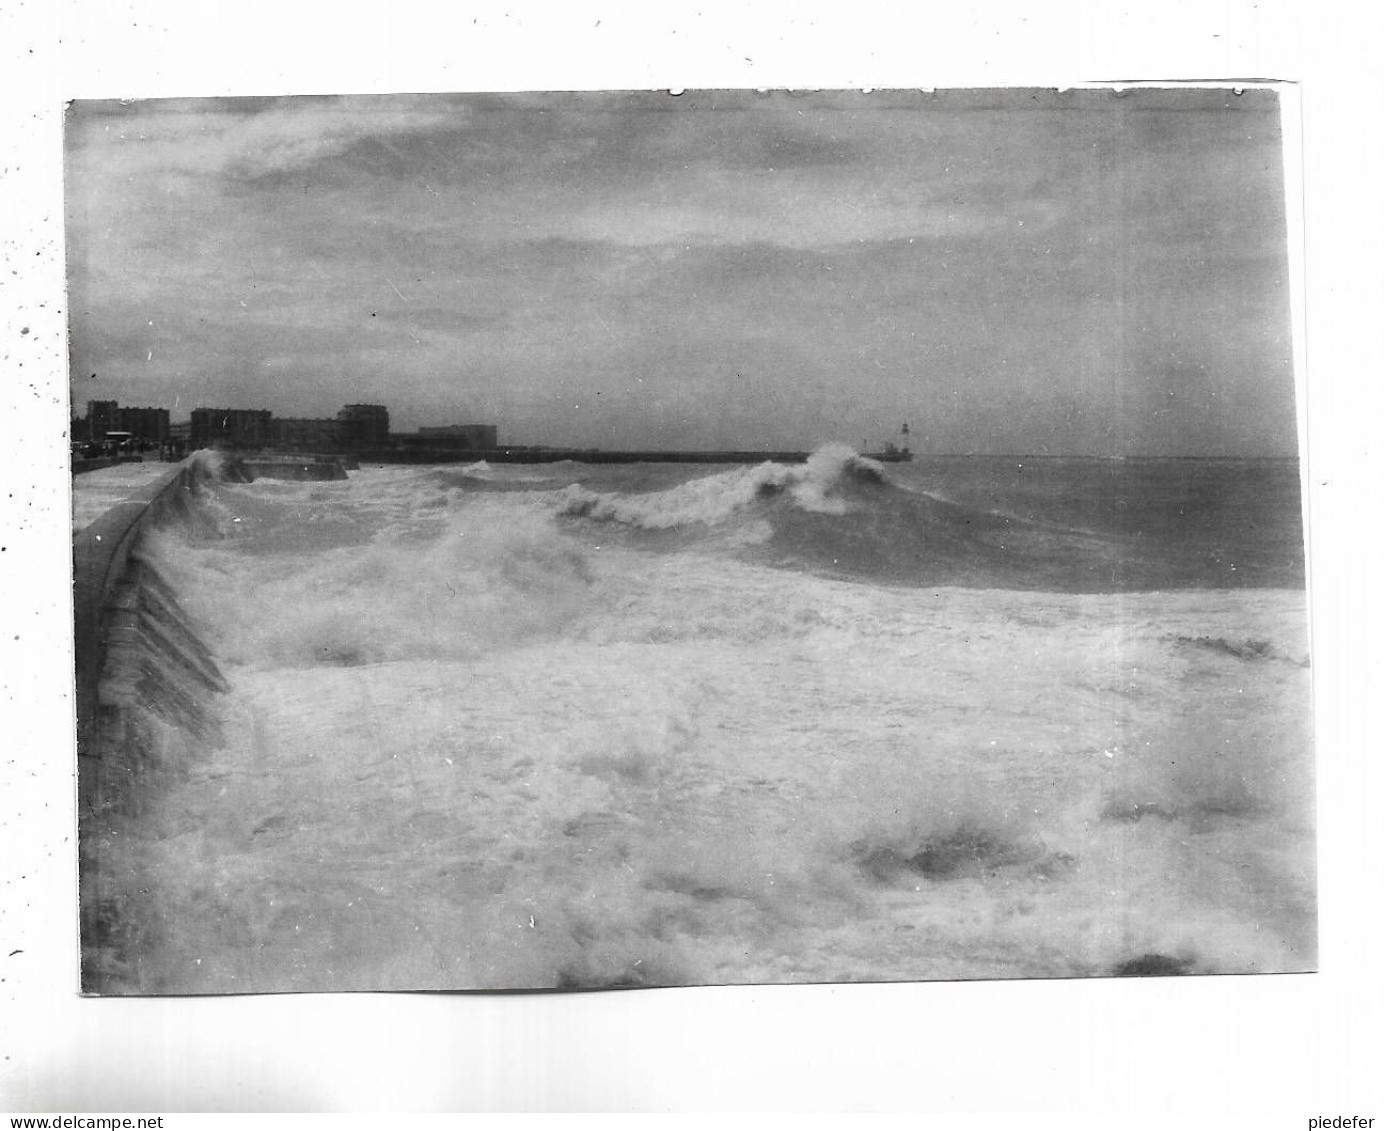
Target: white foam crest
{"x": 715, "y": 498}
{"x": 484, "y": 585}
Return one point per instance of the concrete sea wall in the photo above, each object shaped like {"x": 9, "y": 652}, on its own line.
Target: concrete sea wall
{"x": 144, "y": 686}
{"x": 120, "y": 602}
{"x": 133, "y": 644}
{"x": 146, "y": 683}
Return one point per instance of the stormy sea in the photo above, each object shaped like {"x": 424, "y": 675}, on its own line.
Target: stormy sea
{"x": 568, "y": 726}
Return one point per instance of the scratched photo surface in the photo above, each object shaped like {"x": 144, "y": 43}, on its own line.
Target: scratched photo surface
{"x": 580, "y": 541}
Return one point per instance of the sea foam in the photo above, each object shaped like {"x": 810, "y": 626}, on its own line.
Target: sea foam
{"x": 814, "y": 486}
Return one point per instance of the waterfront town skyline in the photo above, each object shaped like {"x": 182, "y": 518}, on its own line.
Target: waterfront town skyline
{"x": 110, "y": 428}
{"x": 356, "y": 427}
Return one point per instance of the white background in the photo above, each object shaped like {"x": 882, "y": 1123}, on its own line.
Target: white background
{"x": 1290, "y": 1047}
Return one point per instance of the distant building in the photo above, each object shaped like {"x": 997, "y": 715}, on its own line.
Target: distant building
{"x": 307, "y": 435}
{"x": 102, "y": 417}
{"x": 145, "y": 425}
{"x": 364, "y": 426}
{"x": 356, "y": 428}
{"x": 238, "y": 427}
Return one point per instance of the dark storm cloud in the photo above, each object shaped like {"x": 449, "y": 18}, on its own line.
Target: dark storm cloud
{"x": 1020, "y": 271}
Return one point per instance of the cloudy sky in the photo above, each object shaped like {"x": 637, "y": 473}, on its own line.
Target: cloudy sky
{"x": 1020, "y": 271}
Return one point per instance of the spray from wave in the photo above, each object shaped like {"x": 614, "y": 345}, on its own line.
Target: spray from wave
{"x": 481, "y": 476}
{"x": 471, "y": 588}
{"x": 819, "y": 486}
{"x": 839, "y": 514}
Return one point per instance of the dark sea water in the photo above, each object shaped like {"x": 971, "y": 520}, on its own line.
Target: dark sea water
{"x": 564, "y": 726}
{"x": 1078, "y": 525}
{"x": 1175, "y": 523}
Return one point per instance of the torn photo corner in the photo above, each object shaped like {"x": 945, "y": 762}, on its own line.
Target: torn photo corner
{"x": 566, "y": 541}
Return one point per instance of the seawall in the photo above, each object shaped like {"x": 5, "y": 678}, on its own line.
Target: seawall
{"x": 145, "y": 685}
{"x": 125, "y": 621}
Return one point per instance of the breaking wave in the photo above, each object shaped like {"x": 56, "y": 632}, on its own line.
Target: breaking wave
{"x": 839, "y": 514}
{"x": 818, "y": 486}
{"x": 469, "y": 587}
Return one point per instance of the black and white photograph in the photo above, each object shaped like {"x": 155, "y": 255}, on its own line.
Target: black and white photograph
{"x": 579, "y": 541}
{"x": 721, "y": 558}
